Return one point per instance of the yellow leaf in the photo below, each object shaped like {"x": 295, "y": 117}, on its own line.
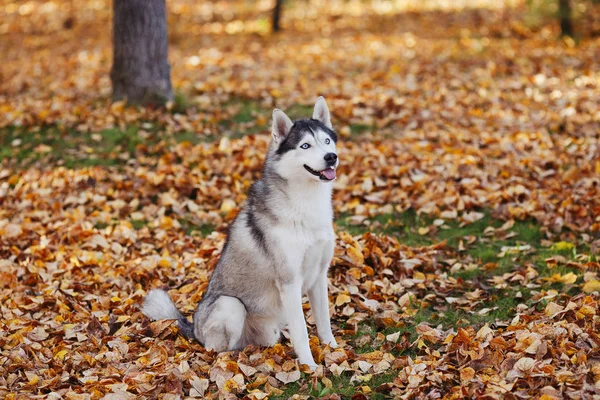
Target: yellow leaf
{"x": 34, "y": 380}
{"x": 43, "y": 148}
{"x": 587, "y": 311}
{"x": 230, "y": 386}
{"x": 118, "y": 106}
{"x": 188, "y": 288}
{"x": 164, "y": 263}
{"x": 567, "y": 278}
{"x": 261, "y": 120}
{"x": 591, "y": 286}
{"x": 143, "y": 360}
{"x": 562, "y": 246}
{"x": 342, "y": 299}
{"x": 419, "y": 276}
{"x": 466, "y": 374}
{"x": 166, "y": 223}
{"x": 61, "y": 354}
{"x": 227, "y": 206}
{"x": 355, "y": 255}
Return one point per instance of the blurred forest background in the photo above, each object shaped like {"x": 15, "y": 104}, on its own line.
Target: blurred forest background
{"x": 367, "y": 55}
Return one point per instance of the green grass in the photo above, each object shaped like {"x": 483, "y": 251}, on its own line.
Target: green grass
{"x": 340, "y": 385}
{"x": 480, "y": 249}
{"x": 361, "y": 129}
{"x": 181, "y": 103}
{"x": 51, "y": 145}
{"x": 138, "y": 224}
{"x": 193, "y": 137}
{"x": 404, "y": 226}
{"x": 299, "y": 111}
{"x": 190, "y": 227}
{"x": 245, "y": 117}
{"x": 248, "y": 112}
{"x": 55, "y": 145}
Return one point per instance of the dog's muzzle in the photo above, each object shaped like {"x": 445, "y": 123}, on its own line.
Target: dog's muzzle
{"x": 328, "y": 174}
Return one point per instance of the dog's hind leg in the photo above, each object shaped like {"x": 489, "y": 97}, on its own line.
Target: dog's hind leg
{"x": 261, "y": 331}
{"x": 224, "y": 326}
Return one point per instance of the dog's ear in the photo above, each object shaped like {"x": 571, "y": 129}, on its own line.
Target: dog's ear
{"x": 321, "y": 112}
{"x": 282, "y": 125}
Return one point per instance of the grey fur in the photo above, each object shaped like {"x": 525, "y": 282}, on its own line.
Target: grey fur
{"x": 245, "y": 301}
{"x": 159, "y": 306}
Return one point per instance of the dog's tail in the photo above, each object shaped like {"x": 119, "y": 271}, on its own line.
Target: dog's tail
{"x": 158, "y": 305}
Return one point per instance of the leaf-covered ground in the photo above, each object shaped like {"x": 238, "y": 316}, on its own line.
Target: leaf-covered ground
{"x": 467, "y": 203}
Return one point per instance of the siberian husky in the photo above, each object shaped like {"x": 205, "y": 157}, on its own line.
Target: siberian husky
{"x": 279, "y": 247}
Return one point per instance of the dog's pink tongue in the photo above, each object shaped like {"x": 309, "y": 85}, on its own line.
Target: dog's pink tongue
{"x": 329, "y": 173}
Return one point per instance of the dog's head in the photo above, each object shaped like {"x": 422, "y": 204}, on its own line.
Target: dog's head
{"x": 305, "y": 149}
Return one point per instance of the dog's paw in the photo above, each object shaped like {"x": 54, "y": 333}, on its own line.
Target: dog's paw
{"x": 309, "y": 362}
{"x": 330, "y": 341}
{"x": 312, "y": 367}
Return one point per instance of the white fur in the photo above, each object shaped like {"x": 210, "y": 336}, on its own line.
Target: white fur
{"x": 223, "y": 331}
{"x": 281, "y": 125}
{"x": 158, "y": 305}
{"x": 321, "y": 112}
{"x": 291, "y": 164}
{"x": 307, "y": 240}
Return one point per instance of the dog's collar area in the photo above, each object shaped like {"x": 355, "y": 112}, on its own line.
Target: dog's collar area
{"x": 327, "y": 174}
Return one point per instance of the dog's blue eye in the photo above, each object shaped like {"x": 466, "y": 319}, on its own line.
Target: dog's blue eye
{"x": 305, "y": 146}
{"x": 327, "y": 141}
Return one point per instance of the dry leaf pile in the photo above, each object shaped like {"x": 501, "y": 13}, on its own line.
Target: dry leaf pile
{"x": 501, "y": 120}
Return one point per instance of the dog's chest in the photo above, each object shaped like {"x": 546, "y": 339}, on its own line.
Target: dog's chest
{"x": 308, "y": 249}
{"x": 316, "y": 260}
{"x": 306, "y": 235}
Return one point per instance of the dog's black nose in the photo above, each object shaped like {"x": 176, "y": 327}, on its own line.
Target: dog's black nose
{"x": 331, "y": 158}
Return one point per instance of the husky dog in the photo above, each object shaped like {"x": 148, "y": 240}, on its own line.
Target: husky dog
{"x": 278, "y": 248}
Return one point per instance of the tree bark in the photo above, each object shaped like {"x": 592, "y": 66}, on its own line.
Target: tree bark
{"x": 141, "y": 72}
{"x": 566, "y": 19}
{"x": 277, "y": 15}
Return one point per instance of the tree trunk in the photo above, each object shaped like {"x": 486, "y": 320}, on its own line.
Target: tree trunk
{"x": 140, "y": 72}
{"x": 566, "y": 19}
{"x": 277, "y": 15}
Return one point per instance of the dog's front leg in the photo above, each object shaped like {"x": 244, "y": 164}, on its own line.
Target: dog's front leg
{"x": 291, "y": 296}
{"x": 319, "y": 303}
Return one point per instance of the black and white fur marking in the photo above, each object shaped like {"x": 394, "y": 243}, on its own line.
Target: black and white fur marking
{"x": 279, "y": 247}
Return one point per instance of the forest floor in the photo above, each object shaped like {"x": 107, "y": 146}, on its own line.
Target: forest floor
{"x": 467, "y": 201}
